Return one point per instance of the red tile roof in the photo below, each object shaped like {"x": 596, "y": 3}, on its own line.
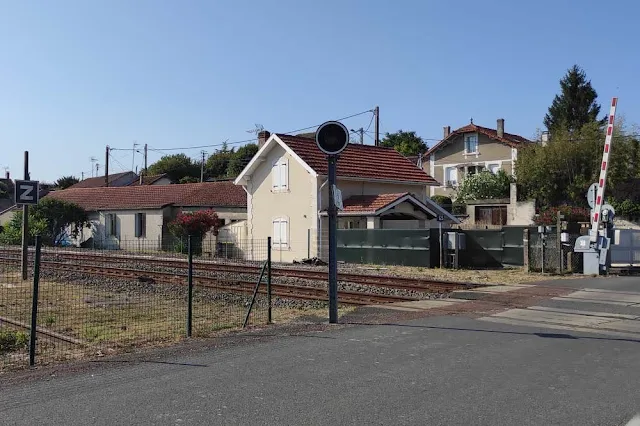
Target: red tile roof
{"x": 360, "y": 161}
{"x": 148, "y": 180}
{"x": 512, "y": 140}
{"x": 369, "y": 203}
{"x": 208, "y": 194}
{"x": 98, "y": 182}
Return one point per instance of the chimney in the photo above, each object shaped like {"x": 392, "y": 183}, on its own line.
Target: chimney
{"x": 446, "y": 132}
{"x": 262, "y": 137}
{"x": 544, "y": 138}
{"x": 7, "y": 175}
{"x": 500, "y": 128}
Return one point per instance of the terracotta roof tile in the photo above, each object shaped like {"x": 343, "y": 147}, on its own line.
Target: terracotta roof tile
{"x": 98, "y": 182}
{"x": 208, "y": 194}
{"x": 369, "y": 203}
{"x": 360, "y": 161}
{"x": 510, "y": 139}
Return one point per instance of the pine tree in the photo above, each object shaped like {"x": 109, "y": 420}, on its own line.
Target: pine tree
{"x": 576, "y": 105}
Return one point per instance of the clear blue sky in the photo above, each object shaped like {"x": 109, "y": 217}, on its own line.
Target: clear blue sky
{"x": 76, "y": 76}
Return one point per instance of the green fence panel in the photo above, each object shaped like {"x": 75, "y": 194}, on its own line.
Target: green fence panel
{"x": 409, "y": 247}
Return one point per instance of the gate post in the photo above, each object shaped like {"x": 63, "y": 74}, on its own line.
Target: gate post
{"x": 525, "y": 249}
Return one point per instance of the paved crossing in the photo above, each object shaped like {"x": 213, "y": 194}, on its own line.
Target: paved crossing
{"x": 594, "y": 310}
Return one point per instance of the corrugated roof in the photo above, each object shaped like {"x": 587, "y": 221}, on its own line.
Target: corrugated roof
{"x": 360, "y": 161}
{"x": 207, "y": 194}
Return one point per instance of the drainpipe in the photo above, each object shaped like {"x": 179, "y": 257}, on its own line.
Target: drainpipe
{"x": 319, "y": 218}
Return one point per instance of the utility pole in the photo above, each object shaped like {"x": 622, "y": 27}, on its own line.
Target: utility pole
{"x": 376, "y": 113}
{"x": 93, "y": 161}
{"x": 97, "y": 169}
{"x": 145, "y": 158}
{"x": 360, "y": 131}
{"x": 82, "y": 174}
{"x": 106, "y": 167}
{"x": 202, "y": 167}
{"x": 25, "y": 223}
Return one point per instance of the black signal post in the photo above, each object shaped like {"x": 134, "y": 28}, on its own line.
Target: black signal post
{"x": 332, "y": 138}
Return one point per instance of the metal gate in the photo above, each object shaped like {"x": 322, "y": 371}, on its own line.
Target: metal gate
{"x": 626, "y": 252}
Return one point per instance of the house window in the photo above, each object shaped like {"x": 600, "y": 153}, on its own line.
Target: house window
{"x": 280, "y": 175}
{"x": 280, "y": 239}
{"x": 472, "y": 170}
{"x": 110, "y": 224}
{"x": 494, "y": 168}
{"x": 450, "y": 176}
{"x": 471, "y": 144}
{"x": 141, "y": 225}
{"x": 491, "y": 215}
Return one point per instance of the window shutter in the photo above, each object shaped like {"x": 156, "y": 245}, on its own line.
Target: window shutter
{"x": 284, "y": 174}
{"x": 283, "y": 232}
{"x": 275, "y": 176}
{"x": 276, "y": 231}
{"x": 144, "y": 225}
{"x": 137, "y": 224}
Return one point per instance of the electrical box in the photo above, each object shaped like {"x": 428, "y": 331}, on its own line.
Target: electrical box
{"x": 450, "y": 241}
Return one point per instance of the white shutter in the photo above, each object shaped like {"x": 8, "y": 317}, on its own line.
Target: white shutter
{"x": 283, "y": 232}
{"x": 275, "y": 176}
{"x": 276, "y": 232}
{"x": 284, "y": 174}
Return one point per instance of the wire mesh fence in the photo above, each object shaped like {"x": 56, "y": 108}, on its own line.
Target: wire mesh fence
{"x": 98, "y": 301}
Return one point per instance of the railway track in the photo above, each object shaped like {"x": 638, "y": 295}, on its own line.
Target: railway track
{"x": 381, "y": 281}
{"x": 235, "y": 286}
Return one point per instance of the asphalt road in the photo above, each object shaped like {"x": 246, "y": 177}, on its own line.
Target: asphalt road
{"x": 433, "y": 371}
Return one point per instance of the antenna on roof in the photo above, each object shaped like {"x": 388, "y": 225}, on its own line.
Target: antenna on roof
{"x": 258, "y": 129}
{"x": 93, "y": 161}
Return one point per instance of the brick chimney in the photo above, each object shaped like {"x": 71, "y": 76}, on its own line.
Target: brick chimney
{"x": 446, "y": 132}
{"x": 500, "y": 128}
{"x": 262, "y": 137}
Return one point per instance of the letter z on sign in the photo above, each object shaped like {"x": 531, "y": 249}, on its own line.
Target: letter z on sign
{"x": 27, "y": 192}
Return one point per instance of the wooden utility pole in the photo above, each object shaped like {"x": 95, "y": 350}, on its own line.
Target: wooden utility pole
{"x": 106, "y": 167}
{"x": 376, "y": 113}
{"x": 202, "y": 167}
{"x": 559, "y": 241}
{"x": 25, "y": 223}
{"x": 145, "y": 158}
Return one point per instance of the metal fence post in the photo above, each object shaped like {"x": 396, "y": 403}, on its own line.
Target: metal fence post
{"x": 308, "y": 243}
{"x": 525, "y": 249}
{"x": 269, "y": 280}
{"x": 34, "y": 301}
{"x": 190, "y": 284}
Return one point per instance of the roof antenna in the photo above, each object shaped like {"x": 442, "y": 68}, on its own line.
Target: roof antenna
{"x": 471, "y": 120}
{"x": 419, "y": 163}
{"x": 258, "y": 129}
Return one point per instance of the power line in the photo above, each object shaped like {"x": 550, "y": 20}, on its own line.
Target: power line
{"x": 122, "y": 167}
{"x": 253, "y": 139}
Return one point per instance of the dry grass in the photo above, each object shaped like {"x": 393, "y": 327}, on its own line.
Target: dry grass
{"x": 108, "y": 321}
{"x": 481, "y": 276}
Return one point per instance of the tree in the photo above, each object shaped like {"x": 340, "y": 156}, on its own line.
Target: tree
{"x": 4, "y": 190}
{"x": 62, "y": 219}
{"x": 66, "y": 181}
{"x": 12, "y": 232}
{"x": 241, "y": 158}
{"x": 406, "y": 143}
{"x": 176, "y": 166}
{"x": 576, "y": 104}
{"x": 189, "y": 179}
{"x": 196, "y": 224}
{"x": 484, "y": 186}
{"x": 561, "y": 172}
{"x": 218, "y": 163}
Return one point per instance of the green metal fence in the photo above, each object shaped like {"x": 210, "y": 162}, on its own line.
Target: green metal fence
{"x": 490, "y": 248}
{"x": 410, "y": 247}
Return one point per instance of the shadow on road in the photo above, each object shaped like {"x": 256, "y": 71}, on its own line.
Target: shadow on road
{"x": 520, "y": 333}
{"x": 137, "y": 361}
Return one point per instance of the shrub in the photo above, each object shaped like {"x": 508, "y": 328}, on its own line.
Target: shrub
{"x": 12, "y": 341}
{"x": 484, "y": 186}
{"x": 459, "y": 208}
{"x": 443, "y": 201}
{"x": 196, "y": 223}
{"x": 549, "y": 216}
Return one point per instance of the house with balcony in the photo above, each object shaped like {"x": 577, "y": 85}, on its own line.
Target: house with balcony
{"x": 473, "y": 149}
